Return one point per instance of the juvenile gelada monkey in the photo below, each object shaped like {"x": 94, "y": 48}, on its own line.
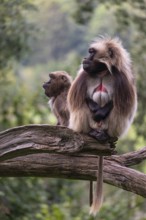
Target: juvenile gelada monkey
{"x": 56, "y": 88}
{"x": 102, "y": 99}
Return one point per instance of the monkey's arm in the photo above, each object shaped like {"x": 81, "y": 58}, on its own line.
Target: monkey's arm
{"x": 62, "y": 112}
{"x": 99, "y": 113}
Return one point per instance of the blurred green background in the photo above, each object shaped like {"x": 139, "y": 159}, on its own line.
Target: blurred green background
{"x": 36, "y": 37}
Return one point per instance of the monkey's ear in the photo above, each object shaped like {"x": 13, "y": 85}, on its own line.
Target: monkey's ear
{"x": 52, "y": 75}
{"x": 110, "y": 52}
{"x": 64, "y": 78}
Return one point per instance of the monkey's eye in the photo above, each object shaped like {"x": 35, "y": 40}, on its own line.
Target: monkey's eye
{"x": 49, "y": 78}
{"x": 49, "y": 81}
{"x": 92, "y": 50}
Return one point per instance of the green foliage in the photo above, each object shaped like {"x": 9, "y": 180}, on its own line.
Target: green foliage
{"x": 14, "y": 29}
{"x": 59, "y": 37}
{"x": 85, "y": 6}
{"x": 19, "y": 199}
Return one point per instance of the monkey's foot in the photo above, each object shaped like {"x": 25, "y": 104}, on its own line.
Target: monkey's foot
{"x": 103, "y": 137}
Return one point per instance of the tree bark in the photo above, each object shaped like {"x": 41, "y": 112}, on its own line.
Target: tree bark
{"x": 52, "y": 151}
{"x": 32, "y": 139}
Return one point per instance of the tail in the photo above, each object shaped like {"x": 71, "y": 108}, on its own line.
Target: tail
{"x": 97, "y": 202}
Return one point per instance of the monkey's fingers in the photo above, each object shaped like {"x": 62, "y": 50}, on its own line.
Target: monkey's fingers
{"x": 102, "y": 113}
{"x": 103, "y": 137}
{"x": 100, "y": 136}
{"x": 113, "y": 142}
{"x": 93, "y": 106}
{"x": 113, "y": 139}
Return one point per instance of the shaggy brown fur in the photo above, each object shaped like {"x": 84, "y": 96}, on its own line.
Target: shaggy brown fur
{"x": 105, "y": 76}
{"x": 57, "y": 89}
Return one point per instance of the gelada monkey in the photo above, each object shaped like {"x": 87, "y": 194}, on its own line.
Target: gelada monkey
{"x": 56, "y": 88}
{"x": 102, "y": 99}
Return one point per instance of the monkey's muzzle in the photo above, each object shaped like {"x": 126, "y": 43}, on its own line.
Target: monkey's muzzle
{"x": 93, "y": 67}
{"x": 87, "y": 65}
{"x": 44, "y": 86}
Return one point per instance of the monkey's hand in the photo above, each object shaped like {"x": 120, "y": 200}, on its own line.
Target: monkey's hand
{"x": 103, "y": 137}
{"x": 99, "y": 113}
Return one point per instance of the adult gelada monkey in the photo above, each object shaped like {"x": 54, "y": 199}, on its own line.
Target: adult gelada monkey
{"x": 102, "y": 100}
{"x": 56, "y": 88}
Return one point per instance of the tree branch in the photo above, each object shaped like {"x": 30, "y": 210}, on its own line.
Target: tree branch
{"x": 32, "y": 139}
{"x": 50, "y": 151}
{"x": 131, "y": 158}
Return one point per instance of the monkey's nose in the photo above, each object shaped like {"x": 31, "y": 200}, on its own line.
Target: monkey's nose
{"x": 44, "y": 85}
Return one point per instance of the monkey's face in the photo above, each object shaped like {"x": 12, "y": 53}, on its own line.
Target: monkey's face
{"x": 103, "y": 54}
{"x": 92, "y": 64}
{"x": 58, "y": 81}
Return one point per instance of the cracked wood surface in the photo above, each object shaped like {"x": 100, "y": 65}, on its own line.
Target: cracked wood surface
{"x": 52, "y": 151}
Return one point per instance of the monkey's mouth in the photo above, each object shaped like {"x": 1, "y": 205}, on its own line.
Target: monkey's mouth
{"x": 46, "y": 84}
{"x": 94, "y": 67}
{"x": 45, "y": 88}
{"x": 87, "y": 64}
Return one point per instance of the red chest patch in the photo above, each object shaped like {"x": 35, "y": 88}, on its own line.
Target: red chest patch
{"x": 100, "y": 88}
